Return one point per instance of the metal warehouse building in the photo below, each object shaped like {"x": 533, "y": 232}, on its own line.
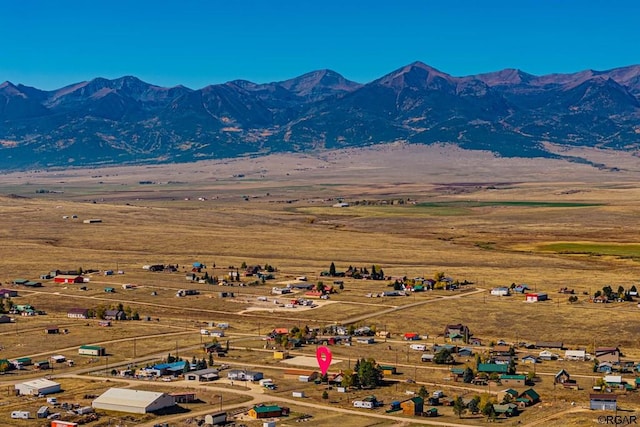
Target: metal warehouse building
{"x": 132, "y": 401}
{"x": 91, "y": 350}
{"x": 36, "y": 387}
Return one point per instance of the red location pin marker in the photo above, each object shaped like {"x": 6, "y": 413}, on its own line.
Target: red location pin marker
{"x": 323, "y": 356}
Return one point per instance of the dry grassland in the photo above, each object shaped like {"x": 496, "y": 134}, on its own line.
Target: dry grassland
{"x": 546, "y": 223}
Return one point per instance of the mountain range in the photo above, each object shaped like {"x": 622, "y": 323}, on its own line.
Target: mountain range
{"x": 128, "y": 121}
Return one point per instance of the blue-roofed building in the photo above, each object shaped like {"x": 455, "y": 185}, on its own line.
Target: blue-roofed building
{"x": 175, "y": 368}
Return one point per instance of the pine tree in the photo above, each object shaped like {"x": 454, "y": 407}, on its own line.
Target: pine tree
{"x": 458, "y": 407}
{"x": 423, "y": 392}
{"x": 467, "y": 375}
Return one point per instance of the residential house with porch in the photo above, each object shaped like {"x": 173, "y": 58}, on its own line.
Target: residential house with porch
{"x": 608, "y": 354}
{"x": 78, "y": 313}
{"x": 457, "y": 332}
{"x": 528, "y": 397}
{"x": 114, "y": 315}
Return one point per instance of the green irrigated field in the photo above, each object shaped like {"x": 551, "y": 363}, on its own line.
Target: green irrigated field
{"x": 628, "y": 250}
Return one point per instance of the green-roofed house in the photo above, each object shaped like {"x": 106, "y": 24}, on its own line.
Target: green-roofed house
{"x": 507, "y": 409}
{"x": 91, "y": 350}
{"x": 507, "y": 395}
{"x": 527, "y": 398}
{"x": 265, "y": 411}
{"x": 32, "y": 284}
{"x": 490, "y": 368}
{"x": 457, "y": 374}
{"x": 513, "y": 380}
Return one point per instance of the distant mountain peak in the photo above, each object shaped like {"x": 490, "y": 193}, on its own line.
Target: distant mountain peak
{"x": 319, "y": 81}
{"x": 508, "y": 76}
{"x": 6, "y": 83}
{"x": 417, "y": 74}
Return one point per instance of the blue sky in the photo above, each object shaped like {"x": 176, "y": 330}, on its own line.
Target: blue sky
{"x": 49, "y": 44}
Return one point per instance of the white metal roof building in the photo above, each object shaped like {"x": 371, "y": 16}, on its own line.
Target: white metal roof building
{"x": 209, "y": 374}
{"x": 39, "y": 386}
{"x": 132, "y": 401}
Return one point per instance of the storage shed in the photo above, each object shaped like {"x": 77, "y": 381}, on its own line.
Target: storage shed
{"x": 603, "y": 402}
{"x": 91, "y": 350}
{"x": 215, "y": 419}
{"x": 132, "y": 401}
{"x": 209, "y": 374}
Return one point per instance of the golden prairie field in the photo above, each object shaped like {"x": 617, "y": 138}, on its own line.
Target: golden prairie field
{"x": 547, "y": 223}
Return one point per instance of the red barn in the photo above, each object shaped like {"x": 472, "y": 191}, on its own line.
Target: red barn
{"x": 64, "y": 278}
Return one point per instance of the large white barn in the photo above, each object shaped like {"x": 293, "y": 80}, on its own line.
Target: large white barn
{"x": 132, "y": 401}
{"x": 36, "y": 387}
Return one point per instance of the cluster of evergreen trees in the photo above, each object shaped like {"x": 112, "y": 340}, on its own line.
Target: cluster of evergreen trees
{"x": 365, "y": 374}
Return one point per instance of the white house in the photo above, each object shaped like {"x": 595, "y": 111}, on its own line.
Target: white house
{"x": 613, "y": 379}
{"x": 575, "y": 355}
{"x": 547, "y": 355}
{"x": 368, "y": 402}
{"x": 500, "y": 292}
